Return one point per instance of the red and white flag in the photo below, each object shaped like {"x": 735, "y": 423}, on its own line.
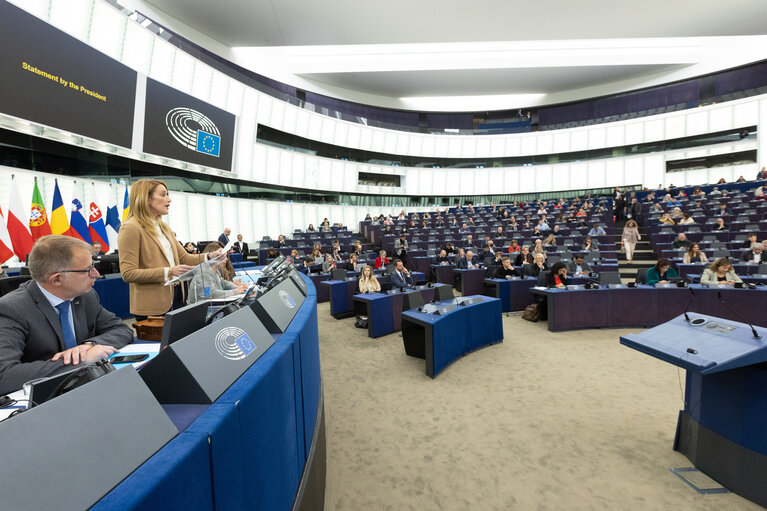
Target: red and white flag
{"x": 18, "y": 224}
{"x": 6, "y": 246}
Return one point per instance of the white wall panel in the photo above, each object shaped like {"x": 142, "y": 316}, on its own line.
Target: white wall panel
{"x": 453, "y": 185}
{"x": 545, "y": 143}
{"x": 614, "y": 172}
{"x": 140, "y": 42}
{"x": 351, "y": 177}
{"x": 390, "y": 142}
{"x": 615, "y": 135}
{"x": 415, "y": 145}
{"x": 514, "y": 146}
{"x": 341, "y": 134}
{"x": 72, "y": 16}
{"x": 277, "y": 115}
{"x": 653, "y": 129}
{"x": 579, "y": 140}
{"x": 633, "y": 170}
{"x": 439, "y": 181}
{"x": 196, "y": 214}
{"x": 596, "y": 174}
{"x": 423, "y": 182}
{"x": 272, "y": 167}
{"x": 747, "y": 113}
{"x": 107, "y": 29}
{"x": 597, "y": 138}
{"x": 497, "y": 147}
{"x": 264, "y": 112}
{"x": 403, "y": 144}
{"x": 39, "y": 8}
{"x": 482, "y": 145}
{"x": 260, "y": 220}
{"x": 286, "y": 168}
{"x": 482, "y": 182}
{"x": 527, "y": 179}
{"x": 529, "y": 144}
{"x": 512, "y": 179}
{"x": 577, "y": 174}
{"x": 299, "y": 169}
{"x": 202, "y": 81}
{"x": 354, "y": 136}
{"x": 561, "y": 143}
{"x": 219, "y": 90}
{"x": 544, "y": 177}
{"x": 235, "y": 98}
{"x": 272, "y": 227}
{"x": 442, "y": 146}
{"x": 468, "y": 147}
{"x": 697, "y": 122}
{"x": 467, "y": 179}
{"x": 183, "y": 72}
{"x": 245, "y": 221}
{"x": 259, "y": 164}
{"x": 720, "y": 119}
{"x": 315, "y": 127}
{"x": 427, "y": 147}
{"x": 377, "y": 144}
{"x": 654, "y": 169}
{"x": 366, "y": 138}
{"x": 328, "y": 132}
{"x": 296, "y": 120}
{"x": 634, "y": 133}
{"x": 214, "y": 217}
{"x": 163, "y": 55}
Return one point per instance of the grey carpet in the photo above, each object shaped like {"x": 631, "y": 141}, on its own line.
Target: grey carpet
{"x": 542, "y": 421}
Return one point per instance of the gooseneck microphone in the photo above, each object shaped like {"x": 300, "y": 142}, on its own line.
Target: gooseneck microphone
{"x": 753, "y": 330}
{"x": 686, "y": 317}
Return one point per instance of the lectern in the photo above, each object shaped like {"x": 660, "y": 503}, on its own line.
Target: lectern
{"x": 722, "y": 429}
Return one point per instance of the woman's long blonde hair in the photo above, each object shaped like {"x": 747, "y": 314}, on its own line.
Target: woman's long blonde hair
{"x": 139, "y": 206}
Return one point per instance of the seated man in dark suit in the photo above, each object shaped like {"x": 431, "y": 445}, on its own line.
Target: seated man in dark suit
{"x": 241, "y": 247}
{"x": 442, "y": 257}
{"x": 754, "y": 255}
{"x": 55, "y": 321}
{"x": 578, "y": 266}
{"x": 306, "y": 266}
{"x": 467, "y": 262}
{"x": 487, "y": 256}
{"x": 400, "y": 277}
{"x": 506, "y": 270}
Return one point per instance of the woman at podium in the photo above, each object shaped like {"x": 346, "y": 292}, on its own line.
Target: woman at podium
{"x": 149, "y": 253}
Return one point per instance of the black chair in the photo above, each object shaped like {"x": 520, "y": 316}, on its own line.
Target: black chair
{"x": 609, "y": 277}
{"x": 543, "y": 277}
{"x": 412, "y": 301}
{"x": 641, "y": 276}
{"x": 12, "y": 283}
{"x": 443, "y": 293}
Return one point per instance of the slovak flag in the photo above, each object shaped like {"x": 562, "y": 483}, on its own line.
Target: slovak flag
{"x": 79, "y": 227}
{"x": 97, "y": 229}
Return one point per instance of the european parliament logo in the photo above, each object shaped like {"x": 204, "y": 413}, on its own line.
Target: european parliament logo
{"x": 288, "y": 300}
{"x": 194, "y": 130}
{"x": 234, "y": 343}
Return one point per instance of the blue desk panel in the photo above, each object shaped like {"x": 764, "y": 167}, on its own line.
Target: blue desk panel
{"x": 384, "y": 311}
{"x": 114, "y": 295}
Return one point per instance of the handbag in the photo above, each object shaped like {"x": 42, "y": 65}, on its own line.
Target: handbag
{"x": 362, "y": 322}
{"x": 531, "y": 313}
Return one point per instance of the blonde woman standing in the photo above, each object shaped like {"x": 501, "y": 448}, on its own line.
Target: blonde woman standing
{"x": 368, "y": 282}
{"x": 630, "y": 238}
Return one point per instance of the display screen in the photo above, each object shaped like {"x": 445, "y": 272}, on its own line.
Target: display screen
{"x": 51, "y": 78}
{"x": 179, "y": 126}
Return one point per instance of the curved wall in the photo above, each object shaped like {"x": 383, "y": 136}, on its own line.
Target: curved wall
{"x": 110, "y": 31}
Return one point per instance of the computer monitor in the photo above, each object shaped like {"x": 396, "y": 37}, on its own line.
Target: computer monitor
{"x": 181, "y": 322}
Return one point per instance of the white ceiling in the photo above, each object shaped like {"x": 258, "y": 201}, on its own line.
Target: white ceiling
{"x": 381, "y": 52}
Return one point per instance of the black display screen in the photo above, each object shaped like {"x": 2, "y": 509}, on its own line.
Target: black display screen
{"x": 179, "y": 126}
{"x": 51, "y": 78}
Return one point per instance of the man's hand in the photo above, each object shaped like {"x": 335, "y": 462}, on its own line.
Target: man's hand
{"x": 84, "y": 353}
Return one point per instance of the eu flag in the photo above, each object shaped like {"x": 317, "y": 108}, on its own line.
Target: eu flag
{"x": 208, "y": 143}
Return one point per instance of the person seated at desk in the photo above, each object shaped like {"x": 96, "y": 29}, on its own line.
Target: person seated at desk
{"x": 719, "y": 225}
{"x": 449, "y": 248}
{"x": 540, "y": 250}
{"x": 381, "y": 260}
{"x": 597, "y": 231}
{"x": 550, "y": 241}
{"x": 681, "y": 242}
{"x": 353, "y": 264}
{"x": 60, "y": 295}
{"x": 523, "y": 257}
{"x": 281, "y": 241}
{"x": 467, "y": 262}
{"x": 666, "y": 220}
{"x": 686, "y": 219}
{"x": 754, "y": 255}
{"x": 317, "y": 256}
{"x": 514, "y": 248}
{"x": 368, "y": 283}
{"x": 750, "y": 240}
{"x": 306, "y": 265}
{"x": 464, "y": 229}
{"x": 211, "y": 282}
{"x": 539, "y": 265}
{"x": 557, "y": 277}
{"x": 329, "y": 264}
{"x": 487, "y": 257}
{"x": 293, "y": 257}
{"x": 590, "y": 245}
{"x": 442, "y": 258}
{"x": 400, "y": 277}
{"x": 720, "y": 272}
{"x": 661, "y": 273}
{"x": 469, "y": 243}
{"x": 694, "y": 255}
{"x": 578, "y": 266}
{"x": 506, "y": 270}
{"x": 498, "y": 261}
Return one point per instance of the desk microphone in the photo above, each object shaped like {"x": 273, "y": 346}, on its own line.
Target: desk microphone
{"x": 686, "y": 317}
{"x": 753, "y": 330}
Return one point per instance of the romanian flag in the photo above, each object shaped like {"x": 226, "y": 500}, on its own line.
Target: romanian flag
{"x": 79, "y": 226}
{"x": 97, "y": 229}
{"x": 59, "y": 221}
{"x": 18, "y": 225}
{"x": 126, "y": 204}
{"x": 38, "y": 218}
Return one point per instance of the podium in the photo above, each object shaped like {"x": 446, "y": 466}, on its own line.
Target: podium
{"x": 722, "y": 427}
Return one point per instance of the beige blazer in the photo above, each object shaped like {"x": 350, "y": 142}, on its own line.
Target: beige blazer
{"x": 142, "y": 265}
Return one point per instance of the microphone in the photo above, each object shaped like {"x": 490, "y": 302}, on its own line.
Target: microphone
{"x": 686, "y": 317}
{"x": 753, "y": 330}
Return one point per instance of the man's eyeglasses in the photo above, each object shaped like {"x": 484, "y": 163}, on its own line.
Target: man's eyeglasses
{"x": 89, "y": 271}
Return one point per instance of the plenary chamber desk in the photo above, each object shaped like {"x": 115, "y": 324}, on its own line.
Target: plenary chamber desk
{"x": 648, "y": 306}
{"x": 722, "y": 427}
{"x": 259, "y": 445}
{"x": 443, "y": 332}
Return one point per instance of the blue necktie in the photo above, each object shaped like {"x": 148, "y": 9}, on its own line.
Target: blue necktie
{"x": 66, "y": 328}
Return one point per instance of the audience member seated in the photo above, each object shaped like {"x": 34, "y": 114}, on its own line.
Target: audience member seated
{"x": 449, "y": 248}
{"x": 694, "y": 255}
{"x": 368, "y": 282}
{"x": 539, "y": 265}
{"x": 306, "y": 266}
{"x": 400, "y": 277}
{"x": 514, "y": 247}
{"x": 467, "y": 262}
{"x": 381, "y": 260}
{"x": 550, "y": 241}
{"x": 190, "y": 248}
{"x": 686, "y": 219}
{"x": 681, "y": 242}
{"x": 590, "y": 244}
{"x": 661, "y": 273}
{"x": 540, "y": 250}
{"x": 666, "y": 219}
{"x": 557, "y": 277}
{"x": 762, "y": 174}
{"x": 464, "y": 229}
{"x": 31, "y": 345}
{"x": 719, "y": 226}
{"x": 293, "y": 257}
{"x": 750, "y": 240}
{"x": 720, "y": 272}
{"x": 754, "y": 255}
{"x": 328, "y": 264}
{"x": 578, "y": 266}
{"x": 442, "y": 257}
{"x": 506, "y": 270}
{"x": 487, "y": 257}
{"x": 597, "y": 231}
{"x": 498, "y": 261}
{"x": 210, "y": 281}
{"x": 353, "y": 264}
{"x": 524, "y": 256}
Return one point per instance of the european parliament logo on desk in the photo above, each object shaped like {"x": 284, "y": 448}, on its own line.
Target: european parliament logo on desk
{"x": 234, "y": 343}
{"x": 194, "y": 130}
{"x": 288, "y": 300}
